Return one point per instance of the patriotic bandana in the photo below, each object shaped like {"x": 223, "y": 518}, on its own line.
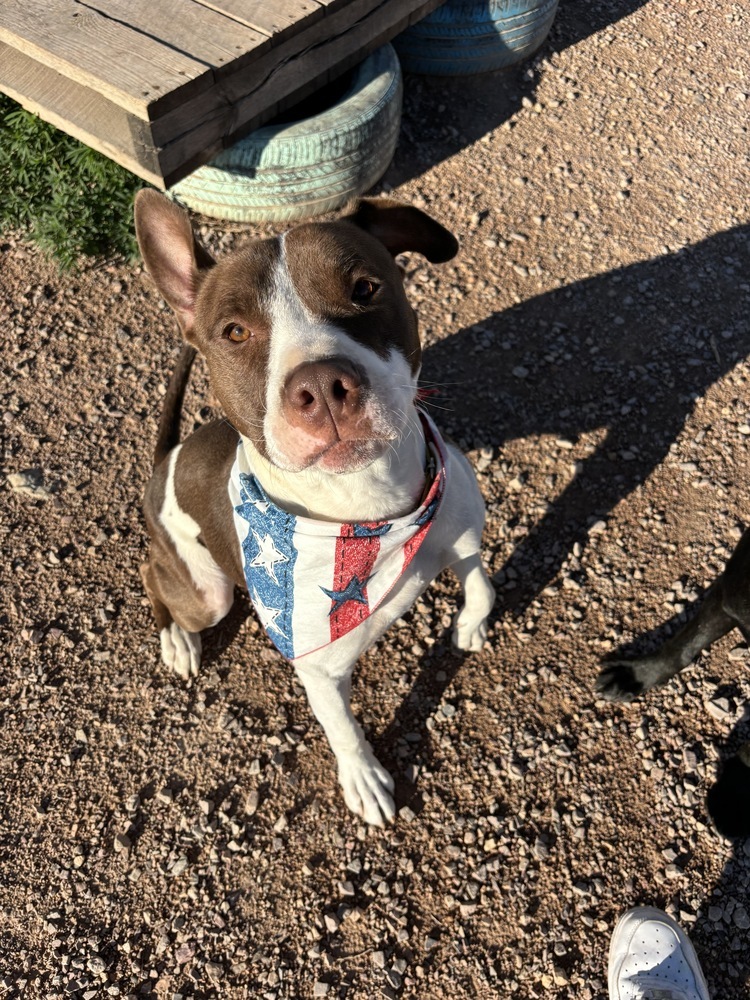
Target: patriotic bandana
{"x": 313, "y": 581}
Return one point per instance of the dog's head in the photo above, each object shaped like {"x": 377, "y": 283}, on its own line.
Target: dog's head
{"x": 311, "y": 345}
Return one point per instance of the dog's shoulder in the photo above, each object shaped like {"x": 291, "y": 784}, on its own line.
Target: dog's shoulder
{"x": 201, "y": 477}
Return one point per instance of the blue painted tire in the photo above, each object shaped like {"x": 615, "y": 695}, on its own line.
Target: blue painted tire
{"x": 282, "y": 173}
{"x": 475, "y": 36}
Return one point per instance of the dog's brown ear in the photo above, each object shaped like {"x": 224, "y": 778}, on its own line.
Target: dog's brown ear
{"x": 401, "y": 227}
{"x": 172, "y": 254}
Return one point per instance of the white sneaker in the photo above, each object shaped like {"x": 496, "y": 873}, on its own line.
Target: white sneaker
{"x": 651, "y": 958}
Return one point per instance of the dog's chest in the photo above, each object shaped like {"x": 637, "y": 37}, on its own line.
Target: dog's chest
{"x": 314, "y": 582}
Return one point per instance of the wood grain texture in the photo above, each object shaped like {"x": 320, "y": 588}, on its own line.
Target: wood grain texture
{"x": 162, "y": 86}
{"x": 188, "y": 27}
{"x": 277, "y": 19}
{"x": 133, "y": 70}
{"x": 282, "y": 77}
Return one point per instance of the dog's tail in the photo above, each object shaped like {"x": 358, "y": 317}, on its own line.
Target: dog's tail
{"x": 169, "y": 425}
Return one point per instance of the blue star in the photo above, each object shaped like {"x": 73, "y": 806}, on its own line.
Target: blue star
{"x": 362, "y": 531}
{"x": 352, "y": 592}
{"x": 427, "y": 514}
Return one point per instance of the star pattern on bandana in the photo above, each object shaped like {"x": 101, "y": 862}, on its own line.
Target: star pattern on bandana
{"x": 427, "y": 513}
{"x": 268, "y": 555}
{"x": 253, "y": 498}
{"x": 374, "y": 531}
{"x": 353, "y": 591}
{"x": 267, "y": 615}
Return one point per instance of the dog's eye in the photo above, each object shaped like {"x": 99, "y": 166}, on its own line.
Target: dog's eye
{"x": 237, "y": 333}
{"x": 363, "y": 290}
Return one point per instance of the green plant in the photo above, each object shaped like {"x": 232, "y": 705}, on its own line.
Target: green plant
{"x": 71, "y": 200}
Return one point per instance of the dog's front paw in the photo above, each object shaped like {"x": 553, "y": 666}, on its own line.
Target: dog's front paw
{"x": 624, "y": 680}
{"x": 181, "y": 650}
{"x": 618, "y": 682}
{"x": 367, "y": 787}
{"x": 469, "y": 636}
{"x": 470, "y": 623}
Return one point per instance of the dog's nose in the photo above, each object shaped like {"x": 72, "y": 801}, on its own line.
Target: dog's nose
{"x": 320, "y": 390}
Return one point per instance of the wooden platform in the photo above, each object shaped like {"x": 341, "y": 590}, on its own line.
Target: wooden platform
{"x": 161, "y": 86}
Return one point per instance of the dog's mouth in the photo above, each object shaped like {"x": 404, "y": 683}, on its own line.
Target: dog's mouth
{"x": 348, "y": 456}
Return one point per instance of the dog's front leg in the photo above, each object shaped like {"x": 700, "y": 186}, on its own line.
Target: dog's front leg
{"x": 367, "y": 785}
{"x": 470, "y": 625}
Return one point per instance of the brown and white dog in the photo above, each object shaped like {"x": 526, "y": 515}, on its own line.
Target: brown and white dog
{"x": 313, "y": 352}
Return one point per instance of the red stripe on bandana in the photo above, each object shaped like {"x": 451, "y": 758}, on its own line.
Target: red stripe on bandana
{"x": 434, "y": 496}
{"x": 412, "y": 546}
{"x": 355, "y": 558}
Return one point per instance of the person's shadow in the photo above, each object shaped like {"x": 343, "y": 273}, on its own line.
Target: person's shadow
{"x": 722, "y": 931}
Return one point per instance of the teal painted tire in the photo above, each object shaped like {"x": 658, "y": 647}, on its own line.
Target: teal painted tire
{"x": 475, "y": 36}
{"x": 281, "y": 173}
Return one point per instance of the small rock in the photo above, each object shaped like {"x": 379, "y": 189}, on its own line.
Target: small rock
{"x": 214, "y": 971}
{"x": 29, "y": 483}
{"x": 719, "y": 708}
{"x": 541, "y": 850}
{"x": 281, "y": 824}
{"x": 393, "y": 979}
{"x": 560, "y": 976}
{"x": 122, "y": 842}
{"x": 184, "y": 953}
{"x": 179, "y": 866}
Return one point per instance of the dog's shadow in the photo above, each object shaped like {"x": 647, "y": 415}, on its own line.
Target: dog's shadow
{"x": 625, "y": 354}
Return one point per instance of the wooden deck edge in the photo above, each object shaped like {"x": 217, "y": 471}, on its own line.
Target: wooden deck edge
{"x": 360, "y": 28}
{"x": 167, "y": 149}
{"x": 75, "y": 109}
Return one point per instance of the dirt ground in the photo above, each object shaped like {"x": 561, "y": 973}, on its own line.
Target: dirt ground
{"x": 590, "y": 349}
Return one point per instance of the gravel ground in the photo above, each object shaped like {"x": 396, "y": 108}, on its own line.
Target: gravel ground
{"x": 590, "y": 348}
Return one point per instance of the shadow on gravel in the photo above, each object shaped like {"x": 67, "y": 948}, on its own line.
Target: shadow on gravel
{"x": 472, "y": 106}
{"x": 626, "y": 353}
{"x": 722, "y": 931}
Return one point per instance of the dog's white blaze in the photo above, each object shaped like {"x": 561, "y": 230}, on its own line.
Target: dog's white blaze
{"x": 297, "y": 336}
{"x": 207, "y": 576}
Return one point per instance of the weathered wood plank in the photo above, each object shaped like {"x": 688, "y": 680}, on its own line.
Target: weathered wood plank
{"x": 277, "y": 19}
{"x": 131, "y": 69}
{"x": 189, "y": 27}
{"x": 81, "y": 112}
{"x": 204, "y": 112}
{"x": 279, "y": 79}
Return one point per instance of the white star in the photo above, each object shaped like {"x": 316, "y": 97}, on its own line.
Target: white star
{"x": 267, "y": 616}
{"x": 261, "y": 505}
{"x": 268, "y": 555}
